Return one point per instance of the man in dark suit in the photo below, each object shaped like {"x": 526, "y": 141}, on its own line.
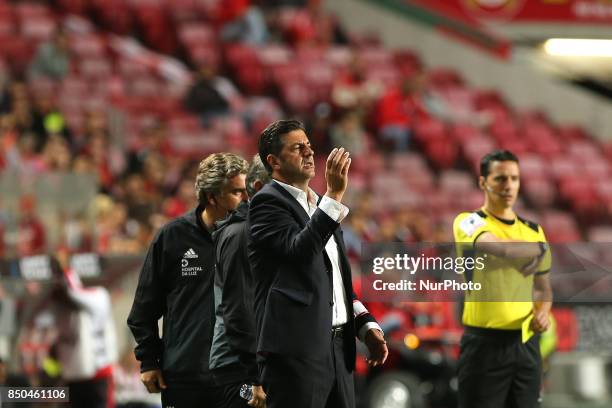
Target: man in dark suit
{"x": 307, "y": 313}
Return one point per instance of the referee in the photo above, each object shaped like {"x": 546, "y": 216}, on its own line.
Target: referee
{"x": 499, "y": 366}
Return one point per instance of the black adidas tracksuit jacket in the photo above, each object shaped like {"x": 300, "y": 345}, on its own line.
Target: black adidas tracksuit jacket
{"x": 176, "y": 283}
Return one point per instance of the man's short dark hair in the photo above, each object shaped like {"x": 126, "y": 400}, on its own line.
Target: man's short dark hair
{"x": 496, "y": 155}
{"x": 271, "y": 139}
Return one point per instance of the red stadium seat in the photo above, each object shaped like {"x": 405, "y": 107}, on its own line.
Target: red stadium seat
{"x": 276, "y": 54}
{"x": 204, "y": 54}
{"x": 375, "y": 57}
{"x": 476, "y": 149}
{"x": 131, "y": 69}
{"x": 444, "y": 78}
{"x": 285, "y": 73}
{"x": 39, "y": 28}
{"x": 388, "y": 75}
{"x": 429, "y": 129}
{"x": 145, "y": 86}
{"x": 462, "y": 133}
{"x": 297, "y": 96}
{"x": 196, "y": 34}
{"x": 533, "y": 166}
{"x": 517, "y": 146}
{"x": 89, "y": 45}
{"x": 339, "y": 56}
{"x": 563, "y": 166}
{"x": 602, "y": 234}
{"x": 584, "y": 150}
{"x": 597, "y": 168}
{"x": 570, "y": 134}
{"x": 238, "y": 55}
{"x": 17, "y": 51}
{"x": 7, "y": 26}
{"x": 540, "y": 192}
{"x": 442, "y": 153}
{"x": 407, "y": 163}
{"x": 503, "y": 130}
{"x": 456, "y": 181}
{"x": 95, "y": 68}
{"x": 560, "y": 226}
{"x": 30, "y": 10}
{"x": 74, "y": 6}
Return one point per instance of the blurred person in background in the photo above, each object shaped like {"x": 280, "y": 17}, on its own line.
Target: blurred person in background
{"x": 176, "y": 283}
{"x": 154, "y": 140}
{"x": 56, "y": 154}
{"x": 352, "y": 90}
{"x": 349, "y": 132}
{"x": 47, "y": 120}
{"x": 86, "y": 343}
{"x": 181, "y": 201}
{"x": 398, "y": 110}
{"x": 210, "y": 95}
{"x": 232, "y": 354}
{"x": 2, "y": 244}
{"x": 31, "y": 233}
{"x": 242, "y": 21}
{"x": 75, "y": 233}
{"x": 52, "y": 59}
{"x": 15, "y": 91}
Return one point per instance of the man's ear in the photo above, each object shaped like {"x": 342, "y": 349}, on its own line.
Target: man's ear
{"x": 481, "y": 183}
{"x": 257, "y": 185}
{"x": 210, "y": 199}
{"x": 273, "y": 161}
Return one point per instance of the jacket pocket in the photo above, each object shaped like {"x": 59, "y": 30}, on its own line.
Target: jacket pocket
{"x": 299, "y": 296}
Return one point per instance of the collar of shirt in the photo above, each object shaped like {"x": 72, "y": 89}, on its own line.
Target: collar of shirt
{"x": 307, "y": 202}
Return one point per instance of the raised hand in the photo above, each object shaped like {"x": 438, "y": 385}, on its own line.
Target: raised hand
{"x": 336, "y": 173}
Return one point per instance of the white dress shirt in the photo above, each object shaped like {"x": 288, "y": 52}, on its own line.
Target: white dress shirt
{"x": 337, "y": 212}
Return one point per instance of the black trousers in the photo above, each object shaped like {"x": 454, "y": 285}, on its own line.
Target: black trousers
{"x": 204, "y": 396}
{"x": 496, "y": 370}
{"x": 308, "y": 383}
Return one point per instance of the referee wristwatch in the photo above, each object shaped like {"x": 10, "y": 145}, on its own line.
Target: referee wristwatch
{"x": 543, "y": 248}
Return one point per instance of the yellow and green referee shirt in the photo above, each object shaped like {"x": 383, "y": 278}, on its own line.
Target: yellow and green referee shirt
{"x": 504, "y": 300}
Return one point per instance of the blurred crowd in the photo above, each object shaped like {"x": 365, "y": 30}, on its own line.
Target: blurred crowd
{"x": 141, "y": 188}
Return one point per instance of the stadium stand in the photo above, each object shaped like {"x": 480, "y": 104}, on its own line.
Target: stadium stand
{"x": 318, "y": 73}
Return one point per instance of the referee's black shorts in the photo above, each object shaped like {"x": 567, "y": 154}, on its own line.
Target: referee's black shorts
{"x": 496, "y": 370}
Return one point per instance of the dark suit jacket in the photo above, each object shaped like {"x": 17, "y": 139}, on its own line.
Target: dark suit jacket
{"x": 293, "y": 277}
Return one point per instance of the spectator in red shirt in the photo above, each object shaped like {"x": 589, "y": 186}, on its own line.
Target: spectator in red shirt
{"x": 397, "y": 112}
{"x": 1, "y": 240}
{"x": 181, "y": 202}
{"x": 30, "y": 230}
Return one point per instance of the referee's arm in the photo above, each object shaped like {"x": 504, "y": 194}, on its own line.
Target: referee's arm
{"x": 487, "y": 242}
{"x": 542, "y": 302}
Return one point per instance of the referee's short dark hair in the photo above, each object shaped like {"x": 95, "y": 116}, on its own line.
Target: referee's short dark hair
{"x": 495, "y": 155}
{"x": 271, "y": 139}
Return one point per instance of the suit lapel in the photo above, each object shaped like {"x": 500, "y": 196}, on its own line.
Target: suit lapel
{"x": 293, "y": 203}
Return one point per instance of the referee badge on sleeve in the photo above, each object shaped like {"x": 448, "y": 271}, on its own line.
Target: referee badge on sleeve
{"x": 470, "y": 224}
